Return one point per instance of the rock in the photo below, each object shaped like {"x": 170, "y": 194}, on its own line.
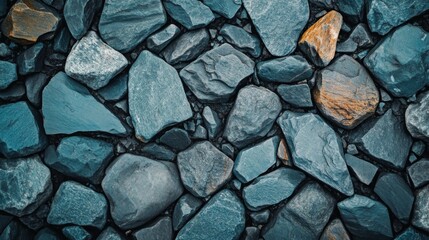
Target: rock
{"x": 34, "y": 85}
{"x": 37, "y": 219}
{"x": 335, "y": 231}
{"x": 8, "y": 74}
{"x": 260, "y": 217}
{"x": 345, "y": 93}
{"x": 185, "y": 209}
{"x": 156, "y": 96}
{"x": 352, "y": 10}
{"x": 251, "y": 233}
{"x": 418, "y": 173}
{"x": 62, "y": 41}
{"x": 158, "y": 152}
{"x": 253, "y": 161}
{"x": 215, "y": 75}
{"x": 187, "y": 47}
{"x": 76, "y": 233}
{"x": 123, "y": 25}
{"x": 303, "y": 217}
{"x": 116, "y": 89}
{"x": 94, "y": 63}
{"x": 359, "y": 38}
{"x": 308, "y": 129}
{"x": 110, "y": 234}
{"x": 388, "y": 147}
{"x": 365, "y": 218}
{"x": 418, "y": 147}
{"x": 68, "y": 107}
{"x": 225, "y": 8}
{"x": 223, "y": 217}
{"x": 161, "y": 39}
{"x": 13, "y": 93}
{"x": 57, "y": 4}
{"x": 383, "y": 16}
{"x": 364, "y": 171}
{"x": 269, "y": 19}
{"x": 212, "y": 122}
{"x": 21, "y": 133}
{"x": 176, "y": 138}
{"x": 297, "y": 95}
{"x": 5, "y": 51}
{"x": 79, "y": 14}
{"x": 272, "y": 188}
{"x": 159, "y": 230}
{"x": 24, "y": 173}
{"x": 77, "y": 204}
{"x": 396, "y": 194}
{"x": 204, "y": 169}
{"x": 139, "y": 189}
{"x": 416, "y": 118}
{"x": 421, "y": 209}
{"x": 288, "y": 69}
{"x": 29, "y": 21}
{"x": 3, "y": 8}
{"x": 15, "y": 230}
{"x": 46, "y": 234}
{"x": 283, "y": 153}
{"x": 241, "y": 39}
{"x": 319, "y": 41}
{"x": 412, "y": 234}
{"x": 401, "y": 73}
{"x": 252, "y": 115}
{"x": 191, "y": 14}
{"x": 31, "y": 60}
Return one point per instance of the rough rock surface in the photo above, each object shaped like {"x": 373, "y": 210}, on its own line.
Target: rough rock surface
{"x": 78, "y": 15}
{"x": 162, "y": 38}
{"x": 226, "y": 8}
{"x": 417, "y": 117}
{"x": 191, "y": 14}
{"x": 335, "y": 230}
{"x": 186, "y": 207}
{"x": 160, "y": 229}
{"x": 421, "y": 209}
{"x": 288, "y": 69}
{"x": 298, "y": 95}
{"x": 8, "y": 74}
{"x": 241, "y": 39}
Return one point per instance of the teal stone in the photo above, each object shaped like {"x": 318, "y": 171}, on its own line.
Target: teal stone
{"x": 421, "y": 209}
{"x": 353, "y": 10}
{"x": 47, "y": 234}
{"x": 241, "y": 39}
{"x": 116, "y": 89}
{"x": 62, "y": 41}
{"x": 186, "y": 207}
{"x": 212, "y": 122}
{"x": 288, "y": 69}
{"x": 76, "y": 233}
{"x": 298, "y": 95}
{"x": 225, "y": 8}
{"x": 192, "y": 14}
{"x": 110, "y": 234}
{"x": 34, "y": 85}
{"x": 78, "y": 15}
{"x": 8, "y": 74}
{"x": 365, "y": 171}
{"x": 158, "y": 41}
{"x": 160, "y": 229}
{"x": 31, "y": 60}
{"x": 412, "y": 234}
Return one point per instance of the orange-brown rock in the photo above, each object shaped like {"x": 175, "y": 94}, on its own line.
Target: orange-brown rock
{"x": 320, "y": 40}
{"x": 29, "y": 21}
{"x": 345, "y": 93}
{"x": 283, "y": 153}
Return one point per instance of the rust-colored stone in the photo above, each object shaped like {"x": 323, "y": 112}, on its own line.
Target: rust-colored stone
{"x": 320, "y": 40}
{"x": 345, "y": 93}
{"x": 283, "y": 153}
{"x": 29, "y": 21}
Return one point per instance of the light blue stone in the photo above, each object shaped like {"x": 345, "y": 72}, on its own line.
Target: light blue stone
{"x": 110, "y": 234}
{"x": 225, "y": 8}
{"x": 161, "y": 39}
{"x": 298, "y": 95}
{"x": 116, "y": 89}
{"x": 192, "y": 14}
{"x": 241, "y": 39}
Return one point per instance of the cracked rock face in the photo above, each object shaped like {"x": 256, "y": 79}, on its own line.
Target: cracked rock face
{"x": 417, "y": 117}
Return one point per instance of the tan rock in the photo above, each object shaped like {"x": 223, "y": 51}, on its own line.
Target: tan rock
{"x": 283, "y": 153}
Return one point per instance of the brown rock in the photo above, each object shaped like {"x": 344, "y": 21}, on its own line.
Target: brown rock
{"x": 335, "y": 231}
{"x": 29, "y": 21}
{"x": 283, "y": 153}
{"x": 320, "y": 40}
{"x": 345, "y": 93}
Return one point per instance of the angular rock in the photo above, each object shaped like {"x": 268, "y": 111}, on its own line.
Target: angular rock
{"x": 34, "y": 85}
{"x": 79, "y": 14}
{"x": 68, "y": 107}
{"x": 269, "y": 19}
{"x": 47, "y": 234}
{"x": 335, "y": 231}
{"x": 309, "y": 138}
{"x": 139, "y": 188}
{"x": 297, "y": 95}
{"x": 225, "y": 8}
{"x": 29, "y": 21}
{"x": 192, "y": 14}
{"x": 76, "y": 233}
{"x": 288, "y": 69}
{"x": 31, "y": 60}
{"x": 13, "y": 93}
{"x": 57, "y": 4}
{"x": 156, "y": 96}
{"x": 222, "y": 217}
{"x": 161, "y": 229}
{"x": 241, "y": 39}
{"x": 412, "y": 234}
{"x": 252, "y": 115}
{"x": 204, "y": 169}
{"x": 359, "y": 38}
{"x": 215, "y": 75}
{"x": 260, "y": 217}
{"x": 15, "y": 230}
{"x": 62, "y": 41}
{"x": 272, "y": 188}
{"x": 283, "y": 153}
{"x": 176, "y": 138}
{"x": 77, "y": 204}
{"x": 251, "y": 233}
{"x": 8, "y": 74}
{"x": 319, "y": 41}
{"x": 416, "y": 118}
{"x": 26, "y": 184}
{"x": 303, "y": 217}
{"x": 94, "y": 63}
{"x": 353, "y": 10}
{"x": 212, "y": 122}
{"x": 421, "y": 209}
{"x": 123, "y": 25}
{"x": 158, "y": 152}
{"x": 185, "y": 209}
{"x": 116, "y": 89}
{"x": 364, "y": 171}
{"x": 161, "y": 39}
{"x": 110, "y": 234}
{"x": 365, "y": 218}
{"x": 418, "y": 173}
{"x": 401, "y": 73}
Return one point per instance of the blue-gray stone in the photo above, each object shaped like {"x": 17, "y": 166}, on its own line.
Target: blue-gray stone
{"x": 401, "y": 73}
{"x": 26, "y": 185}
{"x": 3, "y": 8}
{"x": 79, "y": 205}
{"x": 204, "y": 169}
{"x": 76, "y": 232}
{"x": 161, "y": 39}
{"x": 412, "y": 234}
{"x": 260, "y": 217}
{"x": 21, "y": 133}
{"x": 288, "y": 69}
{"x": 278, "y": 22}
{"x": 353, "y": 10}
{"x": 116, "y": 89}
{"x": 251, "y": 233}
{"x": 31, "y": 60}
{"x": 212, "y": 122}
{"x": 47, "y": 234}
{"x": 388, "y": 147}
{"x": 417, "y": 117}
{"x": 13, "y": 93}
{"x": 419, "y": 147}
{"x": 225, "y": 8}
{"x": 215, "y": 75}
{"x": 62, "y": 41}
{"x": 421, "y": 209}
{"x": 396, "y": 194}
{"x": 297, "y": 95}
{"x": 5, "y": 51}
{"x": 335, "y": 230}
{"x": 159, "y": 230}
{"x": 159, "y": 152}
{"x": 176, "y": 138}
{"x": 110, "y": 234}
{"x": 418, "y": 173}
{"x": 223, "y": 217}
{"x": 94, "y": 63}
{"x": 58, "y": 4}
{"x": 5, "y": 219}
{"x": 16, "y": 231}
{"x": 68, "y": 107}
{"x": 365, "y": 218}
{"x": 34, "y": 85}
{"x": 185, "y": 209}
{"x": 252, "y": 116}
{"x": 8, "y": 74}
{"x": 125, "y": 24}
{"x": 78, "y": 15}
{"x": 384, "y": 15}
{"x": 139, "y": 189}
{"x": 192, "y": 14}
{"x": 364, "y": 171}
{"x": 359, "y": 38}
{"x": 309, "y": 138}
{"x": 156, "y": 96}
{"x": 241, "y": 39}
{"x": 272, "y": 188}
{"x": 303, "y": 217}
{"x": 255, "y": 160}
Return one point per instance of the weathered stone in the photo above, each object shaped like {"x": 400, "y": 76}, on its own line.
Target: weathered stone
{"x": 212, "y": 122}
{"x": 76, "y": 233}
{"x": 204, "y": 169}
{"x": 29, "y": 21}
{"x": 185, "y": 209}
{"x": 283, "y": 153}
{"x": 359, "y": 38}
{"x": 288, "y": 69}
{"x": 241, "y": 39}
{"x": 8, "y": 74}
{"x": 139, "y": 189}
{"x": 79, "y": 14}
{"x": 309, "y": 131}
{"x": 31, "y": 60}
{"x": 34, "y": 85}
{"x": 260, "y": 217}
{"x": 416, "y": 118}
{"x": 421, "y": 209}
{"x": 57, "y": 4}
{"x": 47, "y": 234}
{"x": 176, "y": 138}
{"x": 161, "y": 229}
{"x": 159, "y": 152}
{"x": 297, "y": 95}
{"x": 110, "y": 234}
{"x": 418, "y": 173}
{"x": 335, "y": 231}
{"x": 13, "y": 93}
{"x": 116, "y": 89}
{"x": 191, "y": 14}
{"x": 215, "y": 75}
{"x": 364, "y": 171}
{"x": 269, "y": 19}
{"x": 161, "y": 39}
{"x": 225, "y": 8}
{"x": 222, "y": 217}
{"x": 62, "y": 41}
{"x": 353, "y": 10}
{"x": 155, "y": 96}
{"x": 412, "y": 234}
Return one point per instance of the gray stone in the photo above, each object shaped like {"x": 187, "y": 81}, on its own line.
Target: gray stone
{"x": 159, "y": 230}
{"x": 176, "y": 138}
{"x": 185, "y": 209}
{"x": 225, "y": 8}
{"x": 212, "y": 122}
{"x": 418, "y": 173}
{"x": 34, "y": 85}
{"x": 16, "y": 231}
{"x": 116, "y": 89}
{"x": 421, "y": 209}
{"x": 297, "y": 95}
{"x": 353, "y": 10}
{"x": 13, "y": 93}
{"x": 417, "y": 117}
{"x": 76, "y": 233}
{"x": 8, "y": 74}
{"x": 78, "y": 15}
{"x": 110, "y": 234}
{"x": 364, "y": 171}
{"x": 192, "y": 14}
{"x": 31, "y": 60}
{"x": 288, "y": 69}
{"x": 161, "y": 39}
{"x": 412, "y": 234}
{"x": 159, "y": 152}
{"x": 241, "y": 39}
{"x": 335, "y": 231}
{"x": 418, "y": 147}
{"x": 359, "y": 38}
{"x": 58, "y": 4}
{"x": 251, "y": 233}
{"x": 260, "y": 217}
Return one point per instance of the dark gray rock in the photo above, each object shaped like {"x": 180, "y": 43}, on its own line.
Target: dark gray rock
{"x": 416, "y": 118}
{"x": 185, "y": 209}
{"x": 16, "y": 231}
{"x": 161, "y": 39}
{"x": 364, "y": 171}
{"x": 359, "y": 38}
{"x": 47, "y": 234}
{"x": 13, "y": 93}
{"x": 191, "y": 14}
{"x": 251, "y": 233}
{"x": 284, "y": 70}
{"x": 225, "y": 8}
{"x": 34, "y": 85}
{"x": 76, "y": 233}
{"x": 335, "y": 231}
{"x": 5, "y": 51}
{"x": 309, "y": 138}
{"x": 159, "y": 152}
{"x": 31, "y": 60}
{"x": 212, "y": 122}
{"x": 421, "y": 209}
{"x": 352, "y": 10}
{"x": 412, "y": 234}
{"x": 62, "y": 41}
{"x": 297, "y": 95}
{"x": 139, "y": 189}
{"x": 8, "y": 74}
{"x": 78, "y": 15}
{"x": 418, "y": 173}
{"x": 418, "y": 148}
{"x": 161, "y": 229}
{"x": 260, "y": 217}
{"x": 176, "y": 138}
{"x": 215, "y": 75}
{"x": 110, "y": 234}
{"x": 116, "y": 89}
{"x": 241, "y": 39}
{"x": 57, "y": 4}
{"x": 252, "y": 116}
